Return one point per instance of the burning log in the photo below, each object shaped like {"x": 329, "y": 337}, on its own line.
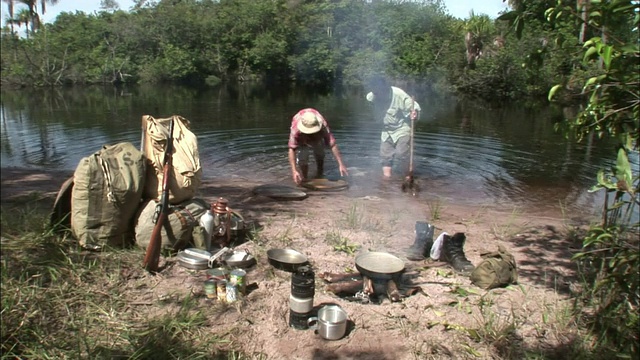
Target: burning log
{"x": 350, "y": 284}
{"x": 346, "y": 287}
{"x": 392, "y": 291}
{"x": 367, "y": 287}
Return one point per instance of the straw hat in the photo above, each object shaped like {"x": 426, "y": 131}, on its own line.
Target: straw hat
{"x": 310, "y": 123}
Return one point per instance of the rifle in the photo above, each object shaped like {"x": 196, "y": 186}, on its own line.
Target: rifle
{"x": 152, "y": 257}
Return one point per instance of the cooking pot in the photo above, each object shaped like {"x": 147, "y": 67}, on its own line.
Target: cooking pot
{"x": 286, "y": 259}
{"x": 379, "y": 265}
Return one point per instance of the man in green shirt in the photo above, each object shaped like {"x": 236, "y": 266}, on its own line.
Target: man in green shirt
{"x": 396, "y": 110}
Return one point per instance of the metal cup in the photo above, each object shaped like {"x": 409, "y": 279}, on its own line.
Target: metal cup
{"x": 331, "y": 322}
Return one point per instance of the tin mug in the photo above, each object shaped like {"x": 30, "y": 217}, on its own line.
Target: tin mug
{"x": 331, "y": 322}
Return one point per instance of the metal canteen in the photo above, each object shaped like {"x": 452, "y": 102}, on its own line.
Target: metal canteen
{"x": 301, "y": 306}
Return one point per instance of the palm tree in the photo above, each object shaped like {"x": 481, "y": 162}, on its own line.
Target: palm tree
{"x": 22, "y": 17}
{"x": 32, "y": 5}
{"x": 479, "y": 30}
{"x": 10, "y": 11}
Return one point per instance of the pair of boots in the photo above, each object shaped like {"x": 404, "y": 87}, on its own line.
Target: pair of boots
{"x": 452, "y": 248}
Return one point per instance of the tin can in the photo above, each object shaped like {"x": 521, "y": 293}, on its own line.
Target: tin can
{"x": 232, "y": 293}
{"x": 210, "y": 289}
{"x": 237, "y": 277}
{"x": 221, "y": 290}
{"x": 218, "y": 274}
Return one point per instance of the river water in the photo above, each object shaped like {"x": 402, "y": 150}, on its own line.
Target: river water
{"x": 464, "y": 152}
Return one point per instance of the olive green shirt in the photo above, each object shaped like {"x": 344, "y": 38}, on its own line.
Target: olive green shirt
{"x": 395, "y": 113}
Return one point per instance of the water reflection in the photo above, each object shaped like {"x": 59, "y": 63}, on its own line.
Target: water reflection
{"x": 464, "y": 152}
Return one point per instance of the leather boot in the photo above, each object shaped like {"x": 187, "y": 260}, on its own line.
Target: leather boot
{"x": 424, "y": 240}
{"x": 453, "y": 253}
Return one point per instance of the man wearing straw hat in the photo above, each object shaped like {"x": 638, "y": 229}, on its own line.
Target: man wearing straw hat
{"x": 310, "y": 132}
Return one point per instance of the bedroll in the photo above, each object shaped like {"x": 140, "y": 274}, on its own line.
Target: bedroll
{"x": 186, "y": 173}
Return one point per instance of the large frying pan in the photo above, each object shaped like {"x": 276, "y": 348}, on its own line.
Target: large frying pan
{"x": 286, "y": 259}
{"x": 325, "y": 184}
{"x": 379, "y": 265}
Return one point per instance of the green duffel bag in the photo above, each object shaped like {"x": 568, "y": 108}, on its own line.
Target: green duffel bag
{"x": 177, "y": 233}
{"x": 497, "y": 269}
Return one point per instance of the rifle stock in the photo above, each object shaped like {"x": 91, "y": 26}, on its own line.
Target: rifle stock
{"x": 152, "y": 256}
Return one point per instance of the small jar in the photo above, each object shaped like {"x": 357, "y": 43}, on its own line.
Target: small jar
{"x": 210, "y": 289}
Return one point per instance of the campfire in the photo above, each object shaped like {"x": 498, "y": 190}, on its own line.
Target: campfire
{"x": 379, "y": 275}
{"x": 365, "y": 289}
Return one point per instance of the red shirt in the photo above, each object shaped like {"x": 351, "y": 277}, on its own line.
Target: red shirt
{"x": 297, "y": 138}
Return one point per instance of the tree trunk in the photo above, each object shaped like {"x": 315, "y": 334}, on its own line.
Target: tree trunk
{"x": 583, "y": 8}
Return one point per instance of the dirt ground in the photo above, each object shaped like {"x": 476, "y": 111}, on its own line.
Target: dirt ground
{"x": 451, "y": 318}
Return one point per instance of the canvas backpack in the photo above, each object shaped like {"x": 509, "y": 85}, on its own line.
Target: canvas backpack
{"x": 496, "y": 269}
{"x": 186, "y": 173}
{"x": 107, "y": 190}
{"x": 177, "y": 232}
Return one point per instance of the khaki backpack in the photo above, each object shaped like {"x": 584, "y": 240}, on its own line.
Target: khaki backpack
{"x": 496, "y": 269}
{"x": 186, "y": 173}
{"x": 106, "y": 193}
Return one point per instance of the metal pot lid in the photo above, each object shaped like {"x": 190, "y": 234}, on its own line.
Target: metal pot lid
{"x": 194, "y": 257}
{"x": 380, "y": 262}
{"x": 278, "y": 191}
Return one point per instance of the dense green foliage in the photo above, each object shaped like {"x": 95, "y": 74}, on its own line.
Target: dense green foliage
{"x": 610, "y": 79}
{"x": 324, "y": 43}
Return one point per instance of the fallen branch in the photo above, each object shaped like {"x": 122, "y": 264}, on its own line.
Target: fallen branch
{"x": 346, "y": 287}
{"x": 333, "y": 278}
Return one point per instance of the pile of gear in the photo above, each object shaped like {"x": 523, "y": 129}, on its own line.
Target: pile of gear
{"x": 120, "y": 196}
{"x": 496, "y": 269}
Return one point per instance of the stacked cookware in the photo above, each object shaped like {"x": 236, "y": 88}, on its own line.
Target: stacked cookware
{"x": 301, "y": 298}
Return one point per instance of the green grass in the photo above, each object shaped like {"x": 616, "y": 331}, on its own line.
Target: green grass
{"x": 435, "y": 208}
{"x": 60, "y": 302}
{"x": 340, "y": 243}
{"x": 357, "y": 218}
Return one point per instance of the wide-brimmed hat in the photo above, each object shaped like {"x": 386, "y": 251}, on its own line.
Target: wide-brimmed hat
{"x": 310, "y": 123}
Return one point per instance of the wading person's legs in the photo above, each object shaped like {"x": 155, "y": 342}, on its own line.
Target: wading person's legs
{"x": 318, "y": 154}
{"x": 402, "y": 154}
{"x": 302, "y": 160}
{"x": 387, "y": 150}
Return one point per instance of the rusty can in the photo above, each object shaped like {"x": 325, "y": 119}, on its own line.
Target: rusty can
{"x": 210, "y": 289}
{"x": 221, "y": 290}
{"x": 237, "y": 277}
{"x": 232, "y": 293}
